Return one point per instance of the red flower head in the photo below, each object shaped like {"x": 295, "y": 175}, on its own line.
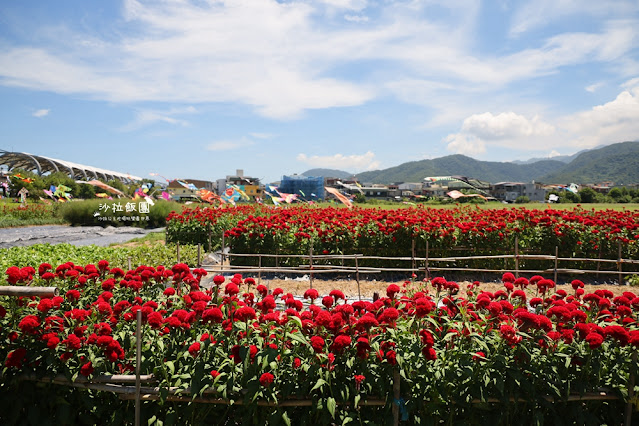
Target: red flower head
{"x": 311, "y": 294}
{"x": 595, "y": 340}
{"x": 194, "y": 349}
{"x": 340, "y": 343}
{"x": 87, "y": 369}
{"x": 327, "y": 301}
{"x": 508, "y": 277}
{"x": 218, "y": 280}
{"x": 231, "y": 289}
{"x": 262, "y": 290}
{"x": 15, "y": 358}
{"x": 266, "y": 379}
{"x": 317, "y": 343}
{"x": 392, "y": 290}
{"x": 359, "y": 379}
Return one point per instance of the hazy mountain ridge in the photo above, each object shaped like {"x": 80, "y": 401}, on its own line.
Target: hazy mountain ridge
{"x": 617, "y": 162}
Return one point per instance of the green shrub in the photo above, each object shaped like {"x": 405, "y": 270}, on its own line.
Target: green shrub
{"x": 101, "y": 213}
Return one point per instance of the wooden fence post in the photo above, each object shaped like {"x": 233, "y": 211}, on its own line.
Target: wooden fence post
{"x": 259, "y": 269}
{"x": 128, "y": 262}
{"x": 359, "y": 293}
{"x": 396, "y": 396}
{"x": 631, "y": 390}
{"x": 223, "y": 257}
{"x": 412, "y": 256}
{"x": 199, "y": 254}
{"x": 619, "y": 263}
{"x": 516, "y": 256}
{"x": 209, "y": 248}
{"x": 138, "y": 360}
{"x": 177, "y": 252}
{"x": 426, "y": 263}
{"x": 556, "y": 261}
{"x": 310, "y": 264}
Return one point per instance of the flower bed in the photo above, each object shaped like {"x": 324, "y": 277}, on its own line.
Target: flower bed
{"x": 577, "y": 233}
{"x": 461, "y": 355}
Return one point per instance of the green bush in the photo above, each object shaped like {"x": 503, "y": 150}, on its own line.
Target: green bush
{"x": 58, "y": 254}
{"x": 101, "y": 213}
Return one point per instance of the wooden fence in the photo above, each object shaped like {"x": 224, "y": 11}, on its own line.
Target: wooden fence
{"x": 129, "y": 387}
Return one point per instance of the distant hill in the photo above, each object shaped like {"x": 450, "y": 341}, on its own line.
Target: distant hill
{"x": 618, "y": 163}
{"x": 340, "y": 174}
{"x": 490, "y": 171}
{"x": 563, "y": 158}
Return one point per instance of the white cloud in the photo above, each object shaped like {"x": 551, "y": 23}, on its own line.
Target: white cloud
{"x": 285, "y": 58}
{"x": 554, "y": 153}
{"x": 615, "y": 121}
{"x": 594, "y": 87}
{"x": 41, "y": 113}
{"x": 465, "y": 144}
{"x": 145, "y": 118}
{"x": 343, "y": 162}
{"x": 258, "y": 135}
{"x": 229, "y": 145}
{"x": 356, "y": 18}
{"x": 539, "y": 13}
{"x": 506, "y": 125}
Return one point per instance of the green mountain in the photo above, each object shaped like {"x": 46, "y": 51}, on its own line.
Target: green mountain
{"x": 460, "y": 165}
{"x": 618, "y": 163}
{"x": 328, "y": 173}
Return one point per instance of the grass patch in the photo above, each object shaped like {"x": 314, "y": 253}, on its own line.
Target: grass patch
{"x": 151, "y": 238}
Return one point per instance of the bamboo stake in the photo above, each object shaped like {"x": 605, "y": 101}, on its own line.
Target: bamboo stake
{"x": 619, "y": 263}
{"x": 556, "y": 257}
{"x": 138, "y": 361}
{"x": 359, "y": 293}
{"x": 396, "y": 395}
{"x": 177, "y": 251}
{"x": 516, "y": 256}
{"x": 199, "y": 254}
{"x": 310, "y": 261}
{"x": 631, "y": 390}
{"x": 17, "y": 291}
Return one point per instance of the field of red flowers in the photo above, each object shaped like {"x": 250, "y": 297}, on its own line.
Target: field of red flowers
{"x": 576, "y": 233}
{"x": 462, "y": 355}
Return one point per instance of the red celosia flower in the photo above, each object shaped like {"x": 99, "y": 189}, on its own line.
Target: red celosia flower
{"x": 244, "y": 313}
{"x": 231, "y": 289}
{"x": 392, "y": 290}
{"x": 266, "y": 379}
{"x": 212, "y": 315}
{"x": 215, "y": 374}
{"x": 429, "y": 353}
{"x": 340, "y": 343}
{"x": 87, "y": 369}
{"x": 194, "y": 349}
{"x": 317, "y": 343}
{"x": 595, "y": 340}
{"x": 15, "y": 358}
{"x": 311, "y": 294}
{"x": 29, "y": 324}
{"x": 327, "y": 301}
{"x": 359, "y": 379}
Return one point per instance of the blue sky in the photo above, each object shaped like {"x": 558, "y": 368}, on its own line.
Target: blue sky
{"x": 198, "y": 89}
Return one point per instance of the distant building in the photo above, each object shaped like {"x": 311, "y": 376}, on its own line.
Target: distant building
{"x": 305, "y": 187}
{"x": 249, "y": 185}
{"x": 186, "y": 189}
{"x": 510, "y": 191}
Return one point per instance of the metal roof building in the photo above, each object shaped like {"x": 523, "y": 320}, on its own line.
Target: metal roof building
{"x": 42, "y": 165}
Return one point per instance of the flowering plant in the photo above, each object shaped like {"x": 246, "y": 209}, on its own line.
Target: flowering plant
{"x": 456, "y": 351}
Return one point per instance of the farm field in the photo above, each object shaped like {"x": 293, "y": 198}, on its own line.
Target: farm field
{"x": 278, "y": 352}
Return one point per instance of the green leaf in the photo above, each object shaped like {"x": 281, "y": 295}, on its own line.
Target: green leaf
{"x": 285, "y": 418}
{"x": 171, "y": 366}
{"x": 319, "y": 384}
{"x": 357, "y": 399}
{"x": 331, "y": 404}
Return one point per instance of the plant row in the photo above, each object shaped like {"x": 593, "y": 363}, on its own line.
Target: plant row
{"x": 455, "y": 349}
{"x": 431, "y": 232}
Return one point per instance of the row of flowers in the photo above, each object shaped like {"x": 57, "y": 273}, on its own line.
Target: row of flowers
{"x": 385, "y": 232}
{"x": 237, "y": 339}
